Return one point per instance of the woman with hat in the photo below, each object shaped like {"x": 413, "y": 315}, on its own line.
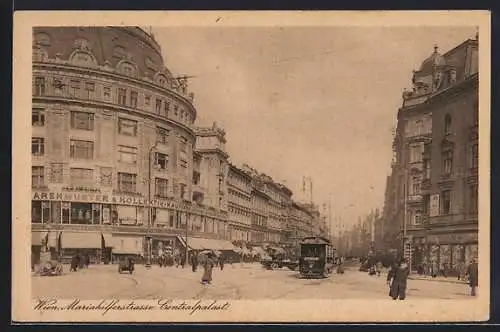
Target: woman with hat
{"x": 208, "y": 266}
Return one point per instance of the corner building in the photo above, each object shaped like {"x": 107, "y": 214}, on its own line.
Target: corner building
{"x": 113, "y": 140}
{"x": 436, "y": 160}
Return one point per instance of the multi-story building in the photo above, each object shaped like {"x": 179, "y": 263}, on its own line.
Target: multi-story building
{"x": 300, "y": 221}
{"x": 112, "y": 145}
{"x": 239, "y": 185}
{"x": 435, "y": 173}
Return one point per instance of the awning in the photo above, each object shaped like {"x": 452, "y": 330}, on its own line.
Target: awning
{"x": 81, "y": 240}
{"x": 108, "y": 240}
{"x": 197, "y": 243}
{"x": 127, "y": 245}
{"x": 50, "y": 237}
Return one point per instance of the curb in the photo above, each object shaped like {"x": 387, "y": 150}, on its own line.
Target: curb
{"x": 451, "y": 281}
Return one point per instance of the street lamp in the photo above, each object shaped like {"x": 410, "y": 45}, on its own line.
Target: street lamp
{"x": 150, "y": 210}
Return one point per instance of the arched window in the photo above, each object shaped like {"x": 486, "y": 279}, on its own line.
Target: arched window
{"x": 127, "y": 69}
{"x": 82, "y": 58}
{"x": 447, "y": 124}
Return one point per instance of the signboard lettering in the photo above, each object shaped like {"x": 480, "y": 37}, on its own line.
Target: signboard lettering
{"x": 98, "y": 198}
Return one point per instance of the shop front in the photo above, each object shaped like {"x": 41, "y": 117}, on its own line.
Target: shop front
{"x": 446, "y": 251}
{"x": 82, "y": 243}
{"x": 127, "y": 246}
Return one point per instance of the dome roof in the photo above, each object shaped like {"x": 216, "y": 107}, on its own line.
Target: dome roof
{"x": 111, "y": 46}
{"x": 434, "y": 60}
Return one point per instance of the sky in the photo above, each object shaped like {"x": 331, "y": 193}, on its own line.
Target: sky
{"x": 307, "y": 101}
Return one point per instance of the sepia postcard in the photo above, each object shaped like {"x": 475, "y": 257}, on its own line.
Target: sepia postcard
{"x": 251, "y": 166}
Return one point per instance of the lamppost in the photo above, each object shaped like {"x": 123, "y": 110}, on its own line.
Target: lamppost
{"x": 186, "y": 261}
{"x": 150, "y": 209}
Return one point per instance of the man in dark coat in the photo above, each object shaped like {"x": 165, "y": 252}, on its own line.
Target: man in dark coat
{"x": 75, "y": 262}
{"x": 221, "y": 262}
{"x": 194, "y": 261}
{"x": 397, "y": 278}
{"x": 472, "y": 272}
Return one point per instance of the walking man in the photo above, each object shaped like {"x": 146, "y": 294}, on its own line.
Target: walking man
{"x": 397, "y": 280}
{"x": 472, "y": 272}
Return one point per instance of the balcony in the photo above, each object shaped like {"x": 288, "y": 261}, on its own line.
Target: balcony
{"x": 425, "y": 184}
{"x": 446, "y": 180}
{"x": 472, "y": 175}
{"x": 415, "y": 198}
{"x": 446, "y": 219}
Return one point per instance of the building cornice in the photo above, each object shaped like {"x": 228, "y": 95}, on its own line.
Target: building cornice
{"x": 110, "y": 73}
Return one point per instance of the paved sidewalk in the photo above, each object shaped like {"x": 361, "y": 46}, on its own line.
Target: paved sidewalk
{"x": 453, "y": 280}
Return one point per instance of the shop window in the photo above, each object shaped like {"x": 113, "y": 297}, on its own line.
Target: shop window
{"x": 37, "y": 146}
{"x": 81, "y": 176}
{"x": 161, "y": 161}
{"x": 89, "y": 90}
{"x": 82, "y": 120}
{"x": 127, "y": 215}
{"x": 158, "y": 106}
{"x": 162, "y": 135}
{"x": 66, "y": 207}
{"x": 96, "y": 214}
{"x": 36, "y": 212}
{"x": 81, "y": 213}
{"x": 38, "y": 117}
{"x": 161, "y": 186}
{"x": 447, "y": 124}
{"x": 81, "y": 149}
{"x": 39, "y": 86}
{"x": 37, "y": 176}
{"x": 127, "y": 154}
{"x": 127, "y": 127}
{"x": 74, "y": 88}
{"x": 127, "y": 182}
{"x": 446, "y": 202}
{"x": 106, "y": 214}
{"x": 133, "y": 99}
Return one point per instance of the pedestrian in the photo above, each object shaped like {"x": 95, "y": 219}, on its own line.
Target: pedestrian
{"x": 379, "y": 268}
{"x": 74, "y": 263}
{"x": 194, "y": 261}
{"x": 221, "y": 262}
{"x": 207, "y": 270}
{"x": 397, "y": 280}
{"x": 460, "y": 270}
{"x": 434, "y": 268}
{"x": 472, "y": 272}
{"x": 87, "y": 261}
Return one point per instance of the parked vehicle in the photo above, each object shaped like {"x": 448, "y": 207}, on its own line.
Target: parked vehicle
{"x": 50, "y": 268}
{"x": 126, "y": 265}
{"x": 317, "y": 256}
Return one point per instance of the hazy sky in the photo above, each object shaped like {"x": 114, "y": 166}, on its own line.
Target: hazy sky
{"x": 318, "y": 101}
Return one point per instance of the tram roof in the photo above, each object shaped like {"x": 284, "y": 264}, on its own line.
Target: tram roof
{"x": 315, "y": 240}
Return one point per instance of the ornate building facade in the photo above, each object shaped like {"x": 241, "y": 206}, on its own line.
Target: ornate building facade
{"x": 113, "y": 143}
{"x": 433, "y": 187}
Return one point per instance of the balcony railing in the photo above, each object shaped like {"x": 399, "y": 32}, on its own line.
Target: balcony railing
{"x": 446, "y": 219}
{"x": 415, "y": 198}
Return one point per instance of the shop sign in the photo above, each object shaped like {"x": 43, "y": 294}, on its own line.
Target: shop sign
{"x": 453, "y": 238}
{"x": 109, "y": 199}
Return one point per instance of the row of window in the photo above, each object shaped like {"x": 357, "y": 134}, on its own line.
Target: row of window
{"x": 446, "y": 202}
{"x": 127, "y": 182}
{"x": 124, "y": 96}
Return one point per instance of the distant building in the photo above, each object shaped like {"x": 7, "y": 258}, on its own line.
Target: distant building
{"x": 434, "y": 173}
